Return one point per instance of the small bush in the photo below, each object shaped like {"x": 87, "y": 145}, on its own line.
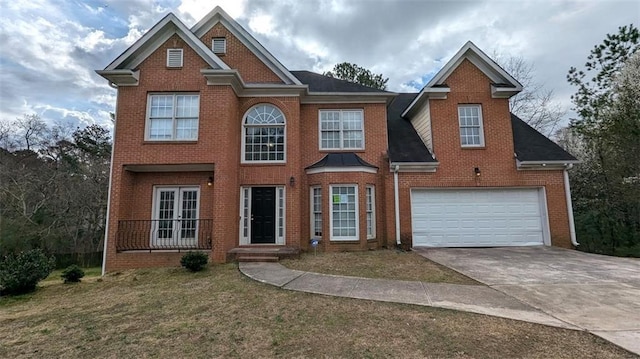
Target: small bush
{"x": 20, "y": 273}
{"x": 194, "y": 261}
{"x": 72, "y": 274}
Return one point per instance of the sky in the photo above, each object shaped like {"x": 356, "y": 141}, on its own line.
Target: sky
{"x": 49, "y": 49}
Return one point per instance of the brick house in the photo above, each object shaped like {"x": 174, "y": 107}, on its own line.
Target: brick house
{"x": 218, "y": 147}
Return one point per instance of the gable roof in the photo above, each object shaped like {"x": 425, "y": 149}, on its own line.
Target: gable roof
{"x": 405, "y": 145}
{"x": 217, "y": 15}
{"x": 322, "y": 83}
{"x": 155, "y": 37}
{"x": 530, "y": 145}
{"x": 503, "y": 84}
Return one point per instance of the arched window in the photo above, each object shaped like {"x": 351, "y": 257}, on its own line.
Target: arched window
{"x": 264, "y": 135}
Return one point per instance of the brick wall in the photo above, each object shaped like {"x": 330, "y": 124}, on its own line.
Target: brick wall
{"x": 495, "y": 160}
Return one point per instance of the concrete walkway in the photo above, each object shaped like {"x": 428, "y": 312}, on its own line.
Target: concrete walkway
{"x": 469, "y": 298}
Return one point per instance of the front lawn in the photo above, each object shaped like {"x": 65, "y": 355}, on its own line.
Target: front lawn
{"x": 220, "y": 313}
{"x": 386, "y": 264}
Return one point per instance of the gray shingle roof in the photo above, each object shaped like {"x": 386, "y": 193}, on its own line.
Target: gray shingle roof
{"x": 321, "y": 83}
{"x": 531, "y": 145}
{"x": 404, "y": 143}
{"x": 341, "y": 159}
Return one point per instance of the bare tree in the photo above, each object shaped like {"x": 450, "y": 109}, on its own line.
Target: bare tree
{"x": 534, "y": 104}
{"x": 32, "y": 130}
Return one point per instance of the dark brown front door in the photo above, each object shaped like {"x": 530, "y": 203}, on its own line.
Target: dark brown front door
{"x": 263, "y": 215}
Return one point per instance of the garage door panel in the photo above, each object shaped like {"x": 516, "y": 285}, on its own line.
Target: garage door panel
{"x": 476, "y": 218}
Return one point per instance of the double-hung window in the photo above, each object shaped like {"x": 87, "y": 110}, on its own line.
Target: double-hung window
{"x": 173, "y": 117}
{"x": 371, "y": 212}
{"x": 470, "y": 120}
{"x": 316, "y": 212}
{"x": 341, "y": 130}
{"x": 344, "y": 212}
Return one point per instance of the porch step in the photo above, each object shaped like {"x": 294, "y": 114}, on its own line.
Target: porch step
{"x": 265, "y": 254}
{"x": 246, "y": 258}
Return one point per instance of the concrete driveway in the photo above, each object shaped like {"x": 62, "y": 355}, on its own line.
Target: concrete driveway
{"x": 600, "y": 294}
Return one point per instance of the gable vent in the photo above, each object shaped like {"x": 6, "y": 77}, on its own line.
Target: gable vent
{"x": 174, "y": 57}
{"x": 219, "y": 45}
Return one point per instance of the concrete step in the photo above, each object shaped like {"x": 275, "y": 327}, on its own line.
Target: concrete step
{"x": 255, "y": 258}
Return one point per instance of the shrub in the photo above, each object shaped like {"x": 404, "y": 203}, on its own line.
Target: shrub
{"x": 194, "y": 261}
{"x": 72, "y": 274}
{"x": 20, "y": 273}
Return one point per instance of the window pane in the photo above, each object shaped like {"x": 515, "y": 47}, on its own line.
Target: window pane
{"x": 160, "y": 129}
{"x": 187, "y": 129}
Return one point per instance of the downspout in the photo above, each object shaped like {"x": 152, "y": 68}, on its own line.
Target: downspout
{"x": 567, "y": 193}
{"x": 396, "y": 199}
{"x": 106, "y": 226}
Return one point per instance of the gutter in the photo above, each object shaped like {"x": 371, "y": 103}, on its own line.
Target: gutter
{"x": 396, "y": 199}
{"x": 567, "y": 192}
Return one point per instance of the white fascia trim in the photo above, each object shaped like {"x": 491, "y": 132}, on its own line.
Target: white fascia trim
{"x": 342, "y": 169}
{"x": 121, "y": 77}
{"x": 436, "y": 93}
{"x": 219, "y": 15}
{"x": 471, "y": 52}
{"x": 503, "y": 92}
{"x": 232, "y": 78}
{"x": 428, "y": 167}
{"x": 544, "y": 165}
{"x": 156, "y": 36}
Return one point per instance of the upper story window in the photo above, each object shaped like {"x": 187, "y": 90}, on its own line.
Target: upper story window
{"x": 470, "y": 120}
{"x": 264, "y": 135}
{"x": 219, "y": 45}
{"x": 174, "y": 58}
{"x": 341, "y": 130}
{"x": 173, "y": 117}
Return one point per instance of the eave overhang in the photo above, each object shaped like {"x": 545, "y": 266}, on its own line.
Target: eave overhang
{"x": 544, "y": 165}
{"x": 179, "y": 167}
{"x": 414, "y": 166}
{"x": 121, "y": 77}
{"x": 242, "y": 89}
{"x": 347, "y": 97}
{"x": 334, "y": 169}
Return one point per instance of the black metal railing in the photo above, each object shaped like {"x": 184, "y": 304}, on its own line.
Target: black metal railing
{"x": 164, "y": 234}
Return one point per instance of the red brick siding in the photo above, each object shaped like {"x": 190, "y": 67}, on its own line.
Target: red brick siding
{"x": 239, "y": 57}
{"x": 496, "y": 160}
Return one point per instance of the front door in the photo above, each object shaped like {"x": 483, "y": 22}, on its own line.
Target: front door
{"x": 263, "y": 215}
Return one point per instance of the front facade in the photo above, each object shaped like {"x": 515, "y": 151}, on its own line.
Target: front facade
{"x": 218, "y": 147}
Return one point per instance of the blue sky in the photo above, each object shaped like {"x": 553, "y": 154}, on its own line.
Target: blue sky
{"x": 49, "y": 49}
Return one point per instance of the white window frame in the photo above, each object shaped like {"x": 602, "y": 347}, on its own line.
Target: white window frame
{"x": 155, "y": 209}
{"x": 480, "y": 126}
{"x": 342, "y": 147}
{"x": 314, "y": 213}
{"x": 224, "y": 42}
{"x": 174, "y": 118}
{"x": 244, "y": 136}
{"x": 245, "y": 215}
{"x": 370, "y": 209}
{"x": 357, "y": 212}
{"x": 180, "y": 51}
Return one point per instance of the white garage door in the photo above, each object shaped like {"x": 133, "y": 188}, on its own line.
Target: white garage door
{"x": 476, "y": 217}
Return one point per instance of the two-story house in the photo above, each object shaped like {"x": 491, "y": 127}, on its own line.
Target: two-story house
{"x": 219, "y": 147}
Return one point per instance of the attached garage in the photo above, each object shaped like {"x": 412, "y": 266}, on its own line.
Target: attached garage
{"x": 478, "y": 217}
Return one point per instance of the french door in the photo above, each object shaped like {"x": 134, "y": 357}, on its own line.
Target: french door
{"x": 175, "y": 217}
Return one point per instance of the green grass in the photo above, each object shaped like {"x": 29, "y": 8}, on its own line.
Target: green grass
{"x": 221, "y": 313}
{"x": 386, "y": 264}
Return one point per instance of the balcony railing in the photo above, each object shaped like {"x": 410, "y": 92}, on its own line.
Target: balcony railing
{"x": 164, "y": 234}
